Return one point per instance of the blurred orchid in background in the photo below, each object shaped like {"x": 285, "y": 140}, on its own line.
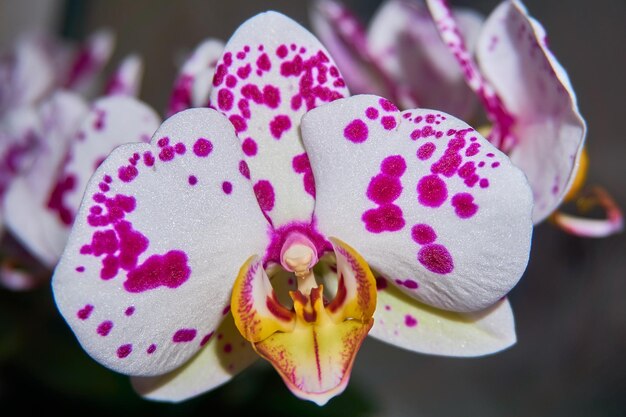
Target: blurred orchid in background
{"x": 526, "y": 94}
{"x": 223, "y": 239}
{"x": 66, "y": 137}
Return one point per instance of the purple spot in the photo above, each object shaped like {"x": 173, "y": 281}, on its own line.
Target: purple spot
{"x": 184, "y": 335}
{"x": 85, "y": 312}
{"x": 410, "y": 321}
{"x": 271, "y": 96}
{"x": 202, "y": 147}
{"x": 130, "y": 311}
{"x": 263, "y": 63}
{"x": 124, "y": 350}
{"x": 104, "y": 328}
{"x": 264, "y": 193}
{"x": 301, "y": 165}
{"x": 280, "y": 125}
{"x": 426, "y": 151}
{"x": 484, "y": 183}
{"x": 249, "y": 147}
{"x": 356, "y": 131}
{"x": 206, "y": 339}
{"x": 384, "y": 189}
{"x": 169, "y": 270}
{"x": 148, "y": 159}
{"x": 408, "y": 283}
{"x": 371, "y": 113}
{"x": 388, "y": 122}
{"x": 423, "y": 234}
{"x": 282, "y": 51}
{"x": 393, "y": 165}
{"x": 166, "y": 154}
{"x": 238, "y": 123}
{"x": 151, "y": 349}
{"x": 495, "y": 165}
{"x": 387, "y": 217}
{"x": 436, "y": 258}
{"x": 80, "y": 269}
{"x": 431, "y": 191}
{"x": 228, "y": 348}
{"x": 227, "y": 187}
{"x": 180, "y": 148}
{"x": 387, "y": 105}
{"x": 472, "y": 149}
{"x": 225, "y": 99}
{"x": 127, "y": 173}
{"x": 464, "y": 205}
{"x": 244, "y": 169}
{"x": 193, "y": 180}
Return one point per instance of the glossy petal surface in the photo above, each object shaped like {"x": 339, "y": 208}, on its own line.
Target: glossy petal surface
{"x": 409, "y": 324}
{"x": 549, "y": 129}
{"x": 423, "y": 197}
{"x": 225, "y": 353}
{"x": 271, "y": 73}
{"x": 404, "y": 39}
{"x": 151, "y": 260}
{"x": 26, "y": 199}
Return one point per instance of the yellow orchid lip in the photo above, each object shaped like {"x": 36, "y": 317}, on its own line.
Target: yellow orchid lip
{"x": 312, "y": 345}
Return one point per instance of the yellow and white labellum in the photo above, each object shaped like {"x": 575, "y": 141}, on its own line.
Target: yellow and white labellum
{"x": 314, "y": 344}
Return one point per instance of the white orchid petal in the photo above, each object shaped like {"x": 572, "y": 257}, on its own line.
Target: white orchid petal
{"x": 127, "y": 79}
{"x": 157, "y": 244}
{"x": 423, "y": 197}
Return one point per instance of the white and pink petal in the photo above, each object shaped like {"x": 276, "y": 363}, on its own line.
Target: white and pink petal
{"x": 265, "y": 81}
{"x": 423, "y": 197}
{"x": 126, "y": 80}
{"x": 147, "y": 273}
{"x": 549, "y": 130}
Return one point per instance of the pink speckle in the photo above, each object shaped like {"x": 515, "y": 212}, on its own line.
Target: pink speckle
{"x": 271, "y": 96}
{"x": 127, "y": 173}
{"x": 206, "y": 339}
{"x": 436, "y": 258}
{"x": 472, "y": 149}
{"x": 408, "y": 283}
{"x": 263, "y": 63}
{"x": 227, "y": 187}
{"x": 225, "y": 99}
{"x": 228, "y": 348}
{"x": 432, "y": 191}
{"x": 56, "y": 201}
{"x": 202, "y": 147}
{"x": 244, "y": 169}
{"x": 80, "y": 269}
{"x": 184, "y": 335}
{"x": 387, "y": 105}
{"x": 484, "y": 183}
{"x": 249, "y": 147}
{"x": 356, "y": 131}
{"x": 423, "y": 234}
{"x": 426, "y": 151}
{"x": 148, "y": 159}
{"x": 166, "y": 154}
{"x": 164, "y": 141}
{"x": 371, "y": 113}
{"x": 301, "y": 165}
{"x": 384, "y": 189}
{"x": 264, "y": 193}
{"x": 193, "y": 180}
{"x": 151, "y": 349}
{"x": 393, "y": 165}
{"x": 238, "y": 122}
{"x": 464, "y": 205}
{"x": 388, "y": 122}
{"x": 279, "y": 125}
{"x": 495, "y": 164}
{"x": 169, "y": 270}
{"x": 410, "y": 321}
{"x": 282, "y": 51}
{"x": 180, "y": 148}
{"x": 85, "y": 312}
{"x": 104, "y": 328}
{"x": 130, "y": 311}
{"x": 124, "y": 350}
{"x": 244, "y": 72}
{"x": 387, "y": 217}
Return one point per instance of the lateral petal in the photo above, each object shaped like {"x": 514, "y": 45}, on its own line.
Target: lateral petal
{"x": 150, "y": 263}
{"x": 409, "y": 324}
{"x": 273, "y": 71}
{"x": 423, "y": 197}
{"x": 225, "y": 354}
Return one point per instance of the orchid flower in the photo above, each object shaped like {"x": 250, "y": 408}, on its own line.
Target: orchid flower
{"x": 530, "y": 101}
{"x": 258, "y": 227}
{"x": 400, "y": 55}
{"x": 74, "y": 138}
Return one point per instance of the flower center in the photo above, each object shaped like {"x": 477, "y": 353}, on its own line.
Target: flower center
{"x": 298, "y": 255}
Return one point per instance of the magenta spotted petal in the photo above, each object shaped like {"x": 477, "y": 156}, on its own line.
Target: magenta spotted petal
{"x": 549, "y": 130}
{"x": 126, "y": 80}
{"x": 272, "y": 72}
{"x": 413, "y": 191}
{"x": 156, "y": 252}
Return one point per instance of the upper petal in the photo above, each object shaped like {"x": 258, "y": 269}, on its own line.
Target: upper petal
{"x": 89, "y": 60}
{"x": 423, "y": 197}
{"x": 273, "y": 71}
{"x": 41, "y": 204}
{"x": 409, "y": 324}
{"x": 342, "y": 33}
{"x": 127, "y": 78}
{"x": 405, "y": 41}
{"x": 156, "y": 245}
{"x": 549, "y": 129}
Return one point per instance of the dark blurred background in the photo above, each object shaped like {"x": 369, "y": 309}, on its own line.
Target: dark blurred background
{"x": 570, "y": 306}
